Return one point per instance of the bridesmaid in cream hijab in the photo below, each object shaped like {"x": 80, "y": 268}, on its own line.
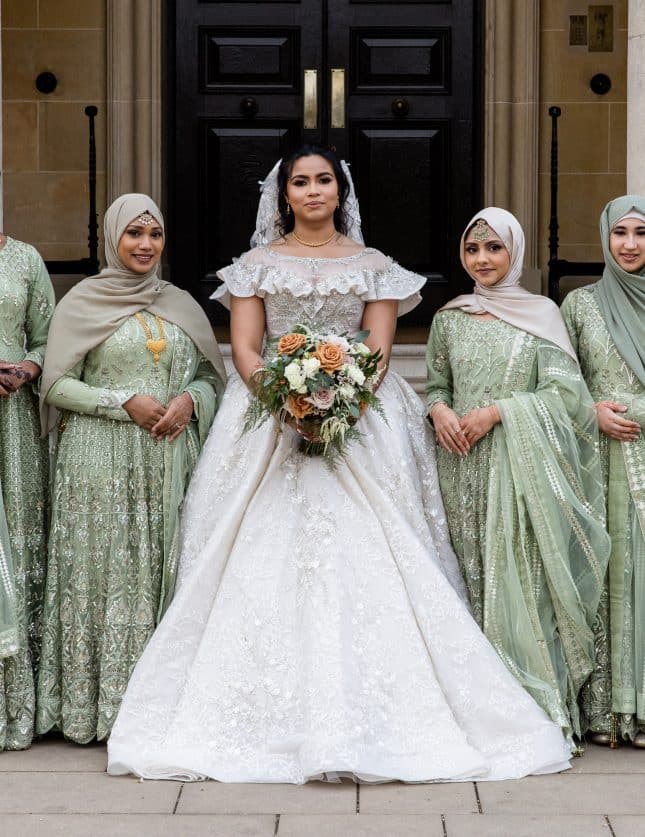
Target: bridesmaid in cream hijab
{"x": 132, "y": 381}
{"x": 519, "y": 468}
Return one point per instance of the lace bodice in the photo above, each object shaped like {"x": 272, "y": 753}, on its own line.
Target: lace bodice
{"x": 318, "y": 291}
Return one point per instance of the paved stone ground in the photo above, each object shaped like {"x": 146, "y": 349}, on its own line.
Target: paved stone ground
{"x": 61, "y": 789}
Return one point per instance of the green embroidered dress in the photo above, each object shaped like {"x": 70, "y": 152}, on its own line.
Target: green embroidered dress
{"x": 524, "y": 506}
{"x": 113, "y": 544}
{"x": 618, "y": 681}
{"x": 26, "y": 308}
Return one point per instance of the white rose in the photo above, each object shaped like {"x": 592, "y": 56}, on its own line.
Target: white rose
{"x": 294, "y": 373}
{"x": 362, "y": 349}
{"x": 347, "y": 392}
{"x": 310, "y": 366}
{"x": 356, "y": 374}
{"x": 335, "y": 340}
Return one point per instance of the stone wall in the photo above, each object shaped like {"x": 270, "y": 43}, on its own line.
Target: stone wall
{"x": 45, "y": 136}
{"x": 592, "y": 129}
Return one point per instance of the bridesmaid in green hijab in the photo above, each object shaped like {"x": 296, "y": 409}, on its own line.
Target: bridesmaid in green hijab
{"x": 132, "y": 381}
{"x": 606, "y": 322}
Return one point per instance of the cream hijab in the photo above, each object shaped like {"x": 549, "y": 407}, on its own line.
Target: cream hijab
{"x": 508, "y": 300}
{"x": 96, "y": 307}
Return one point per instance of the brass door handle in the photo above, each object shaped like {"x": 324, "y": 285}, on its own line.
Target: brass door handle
{"x": 338, "y": 98}
{"x": 310, "y": 114}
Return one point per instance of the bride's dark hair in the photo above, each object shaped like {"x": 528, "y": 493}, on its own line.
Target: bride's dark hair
{"x": 287, "y": 221}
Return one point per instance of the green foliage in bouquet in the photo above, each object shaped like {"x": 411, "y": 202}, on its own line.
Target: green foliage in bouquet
{"x": 320, "y": 384}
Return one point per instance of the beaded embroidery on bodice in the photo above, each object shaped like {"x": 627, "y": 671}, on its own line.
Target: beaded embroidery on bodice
{"x": 326, "y": 293}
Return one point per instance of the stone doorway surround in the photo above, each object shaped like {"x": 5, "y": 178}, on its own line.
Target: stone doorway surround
{"x": 636, "y": 98}
{"x": 511, "y": 103}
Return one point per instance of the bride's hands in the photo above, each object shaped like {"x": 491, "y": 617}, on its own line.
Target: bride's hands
{"x": 297, "y": 425}
{"x": 448, "y": 430}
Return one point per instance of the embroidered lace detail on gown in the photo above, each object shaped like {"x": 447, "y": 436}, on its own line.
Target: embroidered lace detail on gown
{"x": 319, "y": 626}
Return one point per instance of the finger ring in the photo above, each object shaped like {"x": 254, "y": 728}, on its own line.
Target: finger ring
{"x": 177, "y": 426}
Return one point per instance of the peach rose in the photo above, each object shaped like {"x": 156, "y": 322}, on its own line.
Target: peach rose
{"x": 298, "y": 406}
{"x": 290, "y": 343}
{"x": 331, "y": 357}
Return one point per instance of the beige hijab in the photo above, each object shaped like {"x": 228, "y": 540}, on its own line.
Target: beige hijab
{"x": 96, "y": 307}
{"x": 508, "y": 300}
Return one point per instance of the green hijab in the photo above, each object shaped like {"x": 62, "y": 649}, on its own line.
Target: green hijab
{"x": 621, "y": 295}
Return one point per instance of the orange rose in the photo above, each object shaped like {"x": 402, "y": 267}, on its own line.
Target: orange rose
{"x": 290, "y": 343}
{"x": 298, "y": 406}
{"x": 331, "y": 357}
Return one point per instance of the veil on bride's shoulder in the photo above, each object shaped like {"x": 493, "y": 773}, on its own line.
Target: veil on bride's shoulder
{"x": 268, "y": 217}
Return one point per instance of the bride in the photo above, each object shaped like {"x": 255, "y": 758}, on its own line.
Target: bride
{"x": 320, "y": 627}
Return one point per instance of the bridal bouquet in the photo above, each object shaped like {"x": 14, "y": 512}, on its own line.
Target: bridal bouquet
{"x": 321, "y": 383}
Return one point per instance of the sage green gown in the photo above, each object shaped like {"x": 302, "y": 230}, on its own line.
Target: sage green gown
{"x": 617, "y": 684}
{"x": 524, "y": 506}
{"x": 26, "y": 308}
{"x": 113, "y": 543}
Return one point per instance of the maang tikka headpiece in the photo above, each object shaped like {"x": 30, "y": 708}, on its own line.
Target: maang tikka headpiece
{"x": 481, "y": 231}
{"x": 146, "y": 219}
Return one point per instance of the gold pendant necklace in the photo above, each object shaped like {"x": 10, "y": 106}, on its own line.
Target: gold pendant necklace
{"x": 155, "y": 347}
{"x": 313, "y": 243}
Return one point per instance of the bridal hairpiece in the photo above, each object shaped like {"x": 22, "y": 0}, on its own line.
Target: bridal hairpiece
{"x": 268, "y": 218}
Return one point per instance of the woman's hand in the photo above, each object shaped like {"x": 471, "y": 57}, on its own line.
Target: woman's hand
{"x": 14, "y": 375}
{"x": 477, "y": 423}
{"x": 144, "y": 410}
{"x": 613, "y": 424}
{"x": 448, "y": 430}
{"x": 178, "y": 414}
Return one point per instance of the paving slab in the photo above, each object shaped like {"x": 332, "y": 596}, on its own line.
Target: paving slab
{"x": 627, "y": 826}
{"x": 604, "y": 760}
{"x": 418, "y": 799}
{"x": 54, "y": 755}
{"x": 313, "y": 798}
{"x": 557, "y": 794}
{"x": 360, "y": 825}
{"x": 501, "y": 825}
{"x": 135, "y": 825}
{"x": 87, "y": 793}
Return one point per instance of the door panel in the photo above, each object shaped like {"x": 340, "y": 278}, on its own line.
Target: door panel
{"x": 400, "y": 109}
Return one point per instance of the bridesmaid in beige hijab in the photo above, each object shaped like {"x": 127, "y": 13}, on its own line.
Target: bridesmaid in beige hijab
{"x": 131, "y": 383}
{"x": 519, "y": 468}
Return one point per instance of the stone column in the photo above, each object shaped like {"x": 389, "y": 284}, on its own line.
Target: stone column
{"x": 135, "y": 78}
{"x": 636, "y": 98}
{"x": 511, "y": 116}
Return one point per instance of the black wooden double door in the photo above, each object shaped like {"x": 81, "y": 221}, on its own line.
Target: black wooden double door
{"x": 393, "y": 86}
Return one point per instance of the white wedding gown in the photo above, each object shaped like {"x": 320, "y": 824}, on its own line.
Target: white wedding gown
{"x": 319, "y": 626}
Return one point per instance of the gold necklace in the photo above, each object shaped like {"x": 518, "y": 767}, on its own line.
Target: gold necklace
{"x": 313, "y": 243}
{"x": 155, "y": 347}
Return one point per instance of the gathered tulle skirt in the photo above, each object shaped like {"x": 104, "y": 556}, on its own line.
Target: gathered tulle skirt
{"x": 320, "y": 626}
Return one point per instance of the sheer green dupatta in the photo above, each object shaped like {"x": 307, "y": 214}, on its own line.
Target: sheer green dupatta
{"x": 627, "y": 564}
{"x": 194, "y": 374}
{"x": 546, "y": 490}
{"x": 9, "y": 643}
